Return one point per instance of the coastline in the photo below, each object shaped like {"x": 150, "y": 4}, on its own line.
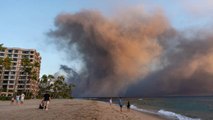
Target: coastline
{"x": 73, "y": 109}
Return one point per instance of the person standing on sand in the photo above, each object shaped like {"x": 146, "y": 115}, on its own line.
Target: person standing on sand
{"x": 46, "y": 99}
{"x": 128, "y": 106}
{"x": 110, "y": 101}
{"x": 22, "y": 98}
{"x": 17, "y": 99}
{"x": 120, "y": 104}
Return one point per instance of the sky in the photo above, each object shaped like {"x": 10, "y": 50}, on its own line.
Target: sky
{"x": 25, "y": 23}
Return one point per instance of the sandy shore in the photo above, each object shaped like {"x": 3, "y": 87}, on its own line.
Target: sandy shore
{"x": 67, "y": 109}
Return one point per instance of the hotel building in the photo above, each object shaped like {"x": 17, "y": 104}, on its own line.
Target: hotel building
{"x": 16, "y": 80}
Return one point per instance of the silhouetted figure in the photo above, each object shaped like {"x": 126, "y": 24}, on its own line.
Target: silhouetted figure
{"x": 128, "y": 106}
{"x": 46, "y": 100}
{"x": 120, "y": 104}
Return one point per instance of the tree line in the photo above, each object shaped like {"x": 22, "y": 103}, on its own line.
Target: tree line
{"x": 56, "y": 85}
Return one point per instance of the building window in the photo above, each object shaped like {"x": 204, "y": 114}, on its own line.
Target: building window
{"x": 21, "y": 82}
{"x": 2, "y": 54}
{"x": 22, "y": 77}
{"x": 22, "y": 73}
{"x": 15, "y": 55}
{"x": 10, "y": 51}
{"x": 6, "y": 77}
{"x": 12, "y": 77}
{"x": 14, "y": 64}
{"x": 12, "y": 72}
{"x": 15, "y": 59}
{"x": 5, "y": 81}
{"x": 16, "y": 51}
{"x": 25, "y": 52}
{"x": 10, "y": 86}
{"x": 10, "y": 91}
{"x": 7, "y": 72}
{"x": 11, "y": 81}
{"x": 9, "y": 55}
{"x": 20, "y": 86}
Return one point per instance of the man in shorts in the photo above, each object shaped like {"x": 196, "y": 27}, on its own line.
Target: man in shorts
{"x": 46, "y": 99}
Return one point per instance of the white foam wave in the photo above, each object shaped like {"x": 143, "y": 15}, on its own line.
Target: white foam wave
{"x": 175, "y": 115}
{"x": 164, "y": 113}
{"x": 141, "y": 110}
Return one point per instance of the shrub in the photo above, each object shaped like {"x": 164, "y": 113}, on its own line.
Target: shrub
{"x": 4, "y": 98}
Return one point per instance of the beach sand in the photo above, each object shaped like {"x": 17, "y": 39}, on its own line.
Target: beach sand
{"x": 69, "y": 109}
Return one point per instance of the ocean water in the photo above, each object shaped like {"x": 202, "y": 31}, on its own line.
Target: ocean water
{"x": 173, "y": 108}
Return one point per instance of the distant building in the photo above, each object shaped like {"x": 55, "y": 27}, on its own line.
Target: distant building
{"x": 15, "y": 80}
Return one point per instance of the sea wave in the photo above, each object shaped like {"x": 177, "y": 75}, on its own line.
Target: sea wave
{"x": 175, "y": 115}
{"x": 167, "y": 114}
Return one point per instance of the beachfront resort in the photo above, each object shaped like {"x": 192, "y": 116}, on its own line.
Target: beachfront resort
{"x": 19, "y": 71}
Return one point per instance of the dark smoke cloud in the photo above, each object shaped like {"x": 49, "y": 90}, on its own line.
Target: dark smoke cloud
{"x": 139, "y": 52}
{"x": 71, "y": 75}
{"x": 188, "y": 69}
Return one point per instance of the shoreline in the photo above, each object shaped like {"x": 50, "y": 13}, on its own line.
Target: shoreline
{"x": 73, "y": 109}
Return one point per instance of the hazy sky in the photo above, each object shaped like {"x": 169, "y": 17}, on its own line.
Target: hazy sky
{"x": 25, "y": 23}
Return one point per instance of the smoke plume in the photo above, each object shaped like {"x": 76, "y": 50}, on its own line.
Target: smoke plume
{"x": 137, "y": 52}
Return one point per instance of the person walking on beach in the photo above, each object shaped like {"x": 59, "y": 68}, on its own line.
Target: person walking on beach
{"x": 120, "y": 104}
{"x": 46, "y": 99}
{"x": 110, "y": 101}
{"x": 128, "y": 106}
{"x": 22, "y": 98}
{"x": 17, "y": 99}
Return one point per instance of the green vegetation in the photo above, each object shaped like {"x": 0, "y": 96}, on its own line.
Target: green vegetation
{"x": 4, "y": 98}
{"x": 57, "y": 86}
{"x": 5, "y": 64}
{"x": 29, "y": 68}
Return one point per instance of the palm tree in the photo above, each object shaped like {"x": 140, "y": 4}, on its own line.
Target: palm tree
{"x": 2, "y": 47}
{"x": 30, "y": 69}
{"x": 58, "y": 86}
{"x": 1, "y": 66}
{"x": 50, "y": 77}
{"x": 5, "y": 64}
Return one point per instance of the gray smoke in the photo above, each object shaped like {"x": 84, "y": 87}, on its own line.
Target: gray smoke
{"x": 139, "y": 52}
